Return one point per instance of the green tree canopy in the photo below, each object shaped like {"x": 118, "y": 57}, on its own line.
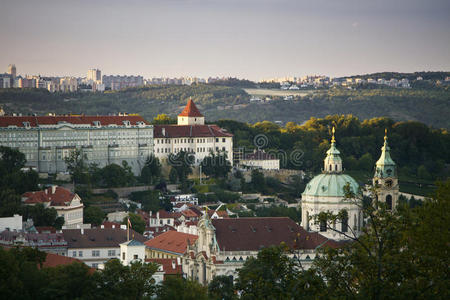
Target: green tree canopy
{"x": 137, "y": 223}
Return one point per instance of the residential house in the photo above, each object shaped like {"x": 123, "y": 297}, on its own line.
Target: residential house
{"x": 97, "y": 245}
{"x": 67, "y": 204}
{"x": 170, "y": 244}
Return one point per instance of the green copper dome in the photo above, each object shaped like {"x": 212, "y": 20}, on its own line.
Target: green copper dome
{"x": 330, "y": 185}
{"x": 385, "y": 166}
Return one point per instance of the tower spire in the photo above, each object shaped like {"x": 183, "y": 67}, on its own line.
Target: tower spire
{"x": 333, "y": 140}
{"x": 385, "y": 166}
{"x": 333, "y": 161}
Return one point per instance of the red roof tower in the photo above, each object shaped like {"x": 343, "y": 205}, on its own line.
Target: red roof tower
{"x": 190, "y": 110}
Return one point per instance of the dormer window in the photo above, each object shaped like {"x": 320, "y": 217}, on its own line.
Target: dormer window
{"x": 97, "y": 123}
{"x": 26, "y": 124}
{"x": 126, "y": 123}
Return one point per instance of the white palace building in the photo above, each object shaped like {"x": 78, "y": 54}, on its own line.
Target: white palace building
{"x": 193, "y": 136}
{"x": 104, "y": 140}
{"x": 47, "y": 140}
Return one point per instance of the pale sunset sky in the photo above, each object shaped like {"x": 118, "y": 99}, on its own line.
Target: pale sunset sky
{"x": 252, "y": 39}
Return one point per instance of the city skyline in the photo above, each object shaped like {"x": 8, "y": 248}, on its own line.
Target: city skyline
{"x": 245, "y": 39}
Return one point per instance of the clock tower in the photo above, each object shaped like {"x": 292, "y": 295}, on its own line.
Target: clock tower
{"x": 385, "y": 180}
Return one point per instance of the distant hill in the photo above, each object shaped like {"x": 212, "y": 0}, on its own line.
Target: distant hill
{"x": 429, "y": 106}
{"x": 440, "y": 75}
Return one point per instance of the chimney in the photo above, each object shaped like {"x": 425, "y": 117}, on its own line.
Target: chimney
{"x": 163, "y": 131}
{"x": 53, "y": 189}
{"x": 113, "y": 227}
{"x": 82, "y": 230}
{"x": 178, "y": 261}
{"x": 46, "y": 191}
{"x": 103, "y": 226}
{"x": 173, "y": 264}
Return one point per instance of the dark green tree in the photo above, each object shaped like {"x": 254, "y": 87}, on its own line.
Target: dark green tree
{"x": 258, "y": 181}
{"x": 222, "y": 288}
{"x": 216, "y": 165}
{"x": 399, "y": 255}
{"x": 127, "y": 282}
{"x": 182, "y": 162}
{"x": 93, "y": 215}
{"x": 73, "y": 281}
{"x": 137, "y": 223}
{"x": 173, "y": 175}
{"x": 76, "y": 165}
{"x": 151, "y": 172}
{"x": 274, "y": 275}
{"x": 114, "y": 176}
{"x": 174, "y": 287}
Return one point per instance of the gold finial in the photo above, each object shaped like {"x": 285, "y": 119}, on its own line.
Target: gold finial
{"x": 385, "y": 134}
{"x": 333, "y": 140}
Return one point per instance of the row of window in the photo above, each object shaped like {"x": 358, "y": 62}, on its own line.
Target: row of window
{"x": 187, "y": 140}
{"x": 95, "y": 253}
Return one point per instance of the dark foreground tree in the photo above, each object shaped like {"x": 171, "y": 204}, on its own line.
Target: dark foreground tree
{"x": 274, "y": 275}
{"x": 174, "y": 287}
{"x": 222, "y": 288}
{"x": 127, "y": 282}
{"x": 400, "y": 255}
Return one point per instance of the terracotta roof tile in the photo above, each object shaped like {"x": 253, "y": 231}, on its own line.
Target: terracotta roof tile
{"x": 190, "y": 110}
{"x": 175, "y": 131}
{"x": 34, "y": 121}
{"x": 99, "y": 237}
{"x": 60, "y": 197}
{"x": 261, "y": 155}
{"x": 170, "y": 266}
{"x": 54, "y": 260}
{"x": 245, "y": 234}
{"x": 172, "y": 241}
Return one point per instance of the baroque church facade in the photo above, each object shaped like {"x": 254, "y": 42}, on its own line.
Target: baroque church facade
{"x": 223, "y": 245}
{"x": 335, "y": 192}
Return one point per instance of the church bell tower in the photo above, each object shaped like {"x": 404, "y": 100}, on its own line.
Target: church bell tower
{"x": 385, "y": 180}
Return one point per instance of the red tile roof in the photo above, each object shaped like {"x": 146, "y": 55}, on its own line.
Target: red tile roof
{"x": 190, "y": 110}
{"x": 54, "y": 260}
{"x": 164, "y": 214}
{"x": 99, "y": 237}
{"x": 34, "y": 121}
{"x": 252, "y": 234}
{"x": 220, "y": 213}
{"x": 172, "y": 241}
{"x": 176, "y": 131}
{"x": 189, "y": 213}
{"x": 261, "y": 155}
{"x": 170, "y": 266}
{"x": 109, "y": 224}
{"x": 61, "y": 196}
{"x": 46, "y": 229}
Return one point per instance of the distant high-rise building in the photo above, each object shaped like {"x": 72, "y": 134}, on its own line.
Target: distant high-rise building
{"x": 94, "y": 75}
{"x": 12, "y": 70}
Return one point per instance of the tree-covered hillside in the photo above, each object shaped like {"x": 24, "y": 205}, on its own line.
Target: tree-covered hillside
{"x": 421, "y": 153}
{"x": 429, "y": 106}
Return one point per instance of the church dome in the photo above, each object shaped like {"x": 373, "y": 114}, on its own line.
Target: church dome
{"x": 332, "y": 181}
{"x": 330, "y": 185}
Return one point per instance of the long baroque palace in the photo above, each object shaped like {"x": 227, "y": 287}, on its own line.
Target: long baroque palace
{"x": 47, "y": 140}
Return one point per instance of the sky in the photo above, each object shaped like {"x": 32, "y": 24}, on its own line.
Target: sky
{"x": 253, "y": 39}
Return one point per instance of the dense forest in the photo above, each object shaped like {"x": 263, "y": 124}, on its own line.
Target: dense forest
{"x": 429, "y": 106}
{"x": 419, "y": 151}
